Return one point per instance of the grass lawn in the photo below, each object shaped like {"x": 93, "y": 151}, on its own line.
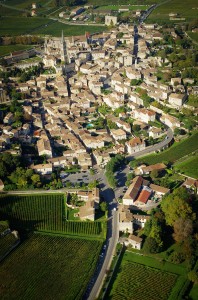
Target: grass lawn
{"x": 184, "y": 9}
{"x": 27, "y": 4}
{"x": 122, "y": 2}
{"x": 5, "y": 50}
{"x": 174, "y": 153}
{"x": 189, "y": 167}
{"x": 154, "y": 263}
{"x": 117, "y": 7}
{"x": 5, "y": 11}
{"x": 71, "y": 213}
{"x": 56, "y": 28}
{"x": 194, "y": 292}
{"x": 142, "y": 277}
{"x": 20, "y": 25}
{"x": 49, "y": 267}
{"x": 193, "y": 35}
{"x": 41, "y": 26}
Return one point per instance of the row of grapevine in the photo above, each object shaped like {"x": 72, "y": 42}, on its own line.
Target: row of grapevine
{"x": 43, "y": 213}
{"x": 6, "y": 242}
{"x": 62, "y": 270}
{"x": 137, "y": 281}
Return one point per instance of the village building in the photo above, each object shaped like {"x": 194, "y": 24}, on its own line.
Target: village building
{"x": 87, "y": 211}
{"x": 43, "y": 169}
{"x": 125, "y": 219}
{"x": 148, "y": 169}
{"x": 177, "y": 100}
{"x": 134, "y": 241}
{"x": 110, "y": 20}
{"x": 145, "y": 115}
{"x": 135, "y": 145}
{"x": 44, "y": 147}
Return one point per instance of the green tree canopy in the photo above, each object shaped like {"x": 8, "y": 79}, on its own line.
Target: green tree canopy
{"x": 176, "y": 206}
{"x": 150, "y": 245}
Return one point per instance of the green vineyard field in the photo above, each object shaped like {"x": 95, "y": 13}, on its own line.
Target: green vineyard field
{"x": 136, "y": 282}
{"x": 44, "y": 213}
{"x": 49, "y": 267}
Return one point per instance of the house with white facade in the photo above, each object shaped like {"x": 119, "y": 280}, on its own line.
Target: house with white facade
{"x": 43, "y": 169}
{"x": 118, "y": 134}
{"x": 125, "y": 219}
{"x": 134, "y": 145}
{"x": 145, "y": 115}
{"x": 177, "y": 100}
{"x": 132, "y": 191}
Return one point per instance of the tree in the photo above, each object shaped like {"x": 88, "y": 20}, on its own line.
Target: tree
{"x": 176, "y": 257}
{"x": 92, "y": 172}
{"x": 130, "y": 176}
{"x": 36, "y": 180}
{"x": 156, "y": 232}
{"x": 111, "y": 124}
{"x": 136, "y": 128}
{"x": 68, "y": 184}
{"x": 189, "y": 124}
{"x": 154, "y": 174}
{"x": 3, "y": 62}
{"x": 176, "y": 206}
{"x": 150, "y": 245}
{"x": 182, "y": 229}
{"x": 92, "y": 184}
{"x": 135, "y": 82}
{"x": 193, "y": 276}
{"x": 103, "y": 206}
{"x": 3, "y": 170}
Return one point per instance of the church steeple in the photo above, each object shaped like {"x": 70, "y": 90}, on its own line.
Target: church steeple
{"x": 63, "y": 48}
{"x": 64, "y": 54}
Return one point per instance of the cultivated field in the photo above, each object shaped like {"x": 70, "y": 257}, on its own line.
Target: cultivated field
{"x": 5, "y": 50}
{"x": 13, "y": 26}
{"x": 123, "y": 2}
{"x": 156, "y": 285}
{"x": 6, "y": 242}
{"x": 184, "y": 9}
{"x": 24, "y": 4}
{"x": 193, "y": 35}
{"x": 43, "y": 6}
{"x": 20, "y": 25}
{"x": 5, "y": 11}
{"x": 174, "y": 153}
{"x": 189, "y": 167}
{"x": 45, "y": 213}
{"x": 49, "y": 267}
{"x": 117, "y": 7}
{"x": 145, "y": 278}
{"x": 55, "y": 29}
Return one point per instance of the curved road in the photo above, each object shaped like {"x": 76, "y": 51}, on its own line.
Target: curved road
{"x": 113, "y": 232}
{"x": 156, "y": 147}
{"x": 109, "y": 195}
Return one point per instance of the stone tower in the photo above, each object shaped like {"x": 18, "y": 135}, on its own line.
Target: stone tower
{"x": 63, "y": 49}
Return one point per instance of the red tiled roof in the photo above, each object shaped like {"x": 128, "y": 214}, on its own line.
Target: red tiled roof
{"x": 137, "y": 182}
{"x": 144, "y": 196}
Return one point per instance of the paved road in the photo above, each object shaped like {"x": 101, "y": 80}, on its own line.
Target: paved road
{"x": 112, "y": 241}
{"x": 156, "y": 147}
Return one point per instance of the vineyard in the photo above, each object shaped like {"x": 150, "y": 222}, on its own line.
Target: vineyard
{"x": 49, "y": 267}
{"x": 136, "y": 281}
{"x": 6, "y": 242}
{"x": 44, "y": 213}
